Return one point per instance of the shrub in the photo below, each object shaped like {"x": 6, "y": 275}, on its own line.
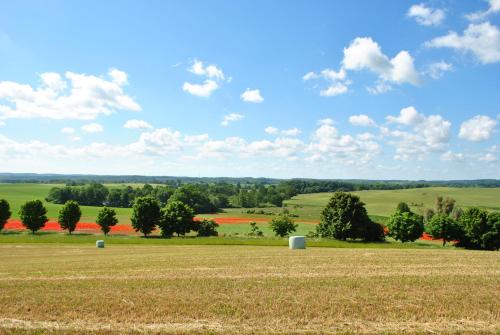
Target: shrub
{"x": 444, "y": 227}
{"x": 405, "y": 226}
{"x": 106, "y": 219}
{"x": 403, "y": 207}
{"x": 283, "y": 225}
{"x": 207, "y": 228}
{"x": 345, "y": 217}
{"x": 33, "y": 215}
{"x": 145, "y": 214}
{"x": 176, "y": 217}
{"x": 255, "y": 230}
{"x": 69, "y": 215}
{"x": 5, "y": 213}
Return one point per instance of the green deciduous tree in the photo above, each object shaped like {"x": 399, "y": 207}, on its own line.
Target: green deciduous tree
{"x": 491, "y": 240}
{"x": 479, "y": 229}
{"x": 176, "y": 217}
{"x": 283, "y": 225}
{"x": 146, "y": 214}
{"x": 69, "y": 215}
{"x": 106, "y": 219}
{"x": 405, "y": 226}
{"x": 345, "y": 217}
{"x": 207, "y": 228}
{"x": 444, "y": 227}
{"x": 33, "y": 215}
{"x": 5, "y": 212}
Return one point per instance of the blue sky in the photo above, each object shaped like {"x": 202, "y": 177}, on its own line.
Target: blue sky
{"x": 324, "y": 89}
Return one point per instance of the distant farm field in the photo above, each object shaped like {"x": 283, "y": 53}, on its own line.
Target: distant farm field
{"x": 307, "y": 207}
{"x": 73, "y": 289}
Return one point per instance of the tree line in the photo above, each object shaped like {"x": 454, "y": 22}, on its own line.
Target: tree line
{"x": 203, "y": 198}
{"x": 472, "y": 228}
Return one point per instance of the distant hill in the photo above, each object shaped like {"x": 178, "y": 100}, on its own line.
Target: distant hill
{"x": 177, "y": 180}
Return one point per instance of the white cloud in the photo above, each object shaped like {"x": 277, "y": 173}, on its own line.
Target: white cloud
{"x": 334, "y": 89}
{"x": 327, "y": 144}
{"x": 68, "y": 130}
{"x": 118, "y": 77}
{"x": 428, "y": 134}
{"x": 338, "y": 84}
{"x": 201, "y": 90}
{"x": 161, "y": 141}
{"x": 76, "y": 96}
{"x": 292, "y": 132}
{"x": 210, "y": 71}
{"x": 361, "y": 120}
{"x": 365, "y": 54}
{"x": 92, "y": 128}
{"x": 426, "y": 16}
{"x": 137, "y": 124}
{"x": 407, "y": 116}
{"x": 194, "y": 140}
{"x": 231, "y": 118}
{"x": 252, "y": 96}
{"x": 437, "y": 69}
{"x": 479, "y": 128}
{"x": 2, "y": 124}
{"x": 481, "y": 15}
{"x": 482, "y": 40}
{"x": 213, "y": 76}
{"x": 272, "y": 130}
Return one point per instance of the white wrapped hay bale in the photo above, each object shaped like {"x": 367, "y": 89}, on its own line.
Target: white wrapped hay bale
{"x": 99, "y": 243}
{"x": 297, "y": 242}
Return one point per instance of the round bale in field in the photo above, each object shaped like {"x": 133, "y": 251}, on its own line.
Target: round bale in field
{"x": 297, "y": 242}
{"x": 99, "y": 243}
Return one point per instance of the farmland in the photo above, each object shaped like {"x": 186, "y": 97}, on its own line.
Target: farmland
{"x": 307, "y": 207}
{"x": 76, "y": 288}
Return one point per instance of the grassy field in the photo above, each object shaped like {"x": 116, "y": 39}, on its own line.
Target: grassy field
{"x": 380, "y": 204}
{"x": 73, "y": 289}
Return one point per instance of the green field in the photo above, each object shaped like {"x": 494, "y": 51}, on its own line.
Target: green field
{"x": 170, "y": 289}
{"x": 380, "y": 204}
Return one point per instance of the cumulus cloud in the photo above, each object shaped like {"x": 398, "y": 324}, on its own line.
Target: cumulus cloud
{"x": 137, "y": 124}
{"x": 482, "y": 40}
{"x": 426, "y": 16}
{"x": 292, "y": 132}
{"x": 361, "y": 120}
{"x": 494, "y": 7}
{"x": 74, "y": 96}
{"x": 328, "y": 144}
{"x": 479, "y": 128}
{"x": 364, "y": 54}
{"x": 252, "y": 96}
{"x": 212, "y": 74}
{"x": 201, "y": 90}
{"x": 92, "y": 128}
{"x": 210, "y": 71}
{"x": 427, "y": 134}
{"x": 231, "y": 118}
{"x": 161, "y": 141}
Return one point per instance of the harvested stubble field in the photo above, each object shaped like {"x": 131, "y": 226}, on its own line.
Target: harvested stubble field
{"x": 58, "y": 288}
